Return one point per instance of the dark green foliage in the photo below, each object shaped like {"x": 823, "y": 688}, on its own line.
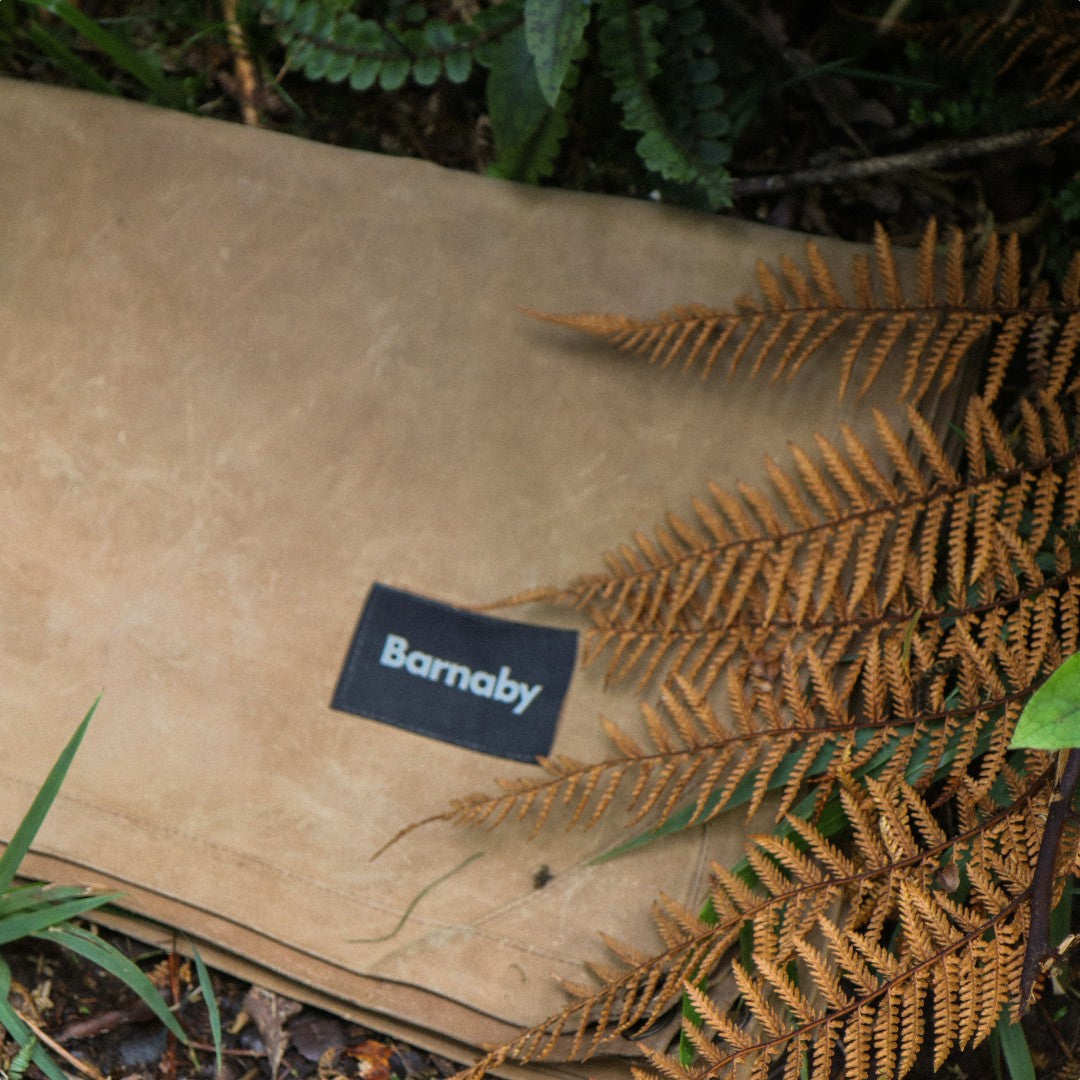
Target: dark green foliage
{"x": 527, "y": 131}
{"x": 326, "y": 40}
{"x": 553, "y": 32}
{"x": 668, "y": 83}
{"x": 658, "y": 58}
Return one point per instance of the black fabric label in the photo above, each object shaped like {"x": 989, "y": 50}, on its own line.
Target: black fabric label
{"x": 469, "y": 679}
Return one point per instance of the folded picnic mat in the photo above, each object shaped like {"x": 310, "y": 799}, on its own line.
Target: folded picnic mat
{"x": 252, "y": 387}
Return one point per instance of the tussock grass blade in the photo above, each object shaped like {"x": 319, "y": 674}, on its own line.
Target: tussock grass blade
{"x": 25, "y": 923}
{"x": 13, "y": 1025}
{"x": 34, "y": 894}
{"x": 212, "y": 1011}
{"x": 134, "y": 63}
{"x": 20, "y": 843}
{"x": 115, "y": 963}
{"x": 78, "y": 69}
{"x": 1015, "y": 1050}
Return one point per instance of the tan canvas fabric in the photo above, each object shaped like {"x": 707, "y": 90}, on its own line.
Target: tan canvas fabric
{"x": 243, "y": 377}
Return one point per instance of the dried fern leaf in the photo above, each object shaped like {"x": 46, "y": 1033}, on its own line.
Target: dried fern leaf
{"x": 929, "y": 336}
{"x": 859, "y": 977}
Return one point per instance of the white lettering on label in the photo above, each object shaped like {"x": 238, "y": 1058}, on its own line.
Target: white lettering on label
{"x": 396, "y": 654}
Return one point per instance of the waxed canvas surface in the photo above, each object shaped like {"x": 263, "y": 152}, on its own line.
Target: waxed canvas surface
{"x": 246, "y": 377}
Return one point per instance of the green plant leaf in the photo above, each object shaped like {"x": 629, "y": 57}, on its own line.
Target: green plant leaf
{"x": 426, "y": 70}
{"x": 78, "y": 69}
{"x": 364, "y": 73}
{"x": 553, "y": 31}
{"x": 1015, "y": 1049}
{"x": 393, "y": 73}
{"x": 21, "y": 897}
{"x": 143, "y": 67}
{"x": 517, "y": 108}
{"x": 113, "y": 961}
{"x": 26, "y": 923}
{"x": 1051, "y": 718}
{"x": 28, "y": 827}
{"x": 212, "y": 1010}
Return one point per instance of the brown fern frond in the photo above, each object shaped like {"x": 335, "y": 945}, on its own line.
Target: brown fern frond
{"x": 930, "y": 334}
{"x": 739, "y": 589}
{"x": 858, "y": 640}
{"x": 933, "y": 655}
{"x": 855, "y": 972}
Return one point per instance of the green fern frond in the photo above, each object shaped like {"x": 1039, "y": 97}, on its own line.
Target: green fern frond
{"x": 640, "y": 46}
{"x": 326, "y": 41}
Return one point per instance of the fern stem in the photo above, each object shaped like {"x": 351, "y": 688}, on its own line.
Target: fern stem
{"x": 1038, "y": 947}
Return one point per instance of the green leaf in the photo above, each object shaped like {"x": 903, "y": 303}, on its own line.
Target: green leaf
{"x": 80, "y": 71}
{"x": 21, "y": 897}
{"x": 426, "y": 70}
{"x": 1051, "y": 718}
{"x": 365, "y": 72}
{"x": 27, "y": 923}
{"x": 316, "y": 64}
{"x": 526, "y": 130}
{"x": 117, "y": 964}
{"x": 458, "y": 64}
{"x": 206, "y": 986}
{"x": 339, "y": 68}
{"x": 553, "y": 31}
{"x": 1014, "y": 1048}
{"x": 144, "y": 67}
{"x": 393, "y": 73}
{"x": 20, "y": 843}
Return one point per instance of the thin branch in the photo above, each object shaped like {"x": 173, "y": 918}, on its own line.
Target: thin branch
{"x": 247, "y": 83}
{"x": 1038, "y": 947}
{"x": 930, "y": 157}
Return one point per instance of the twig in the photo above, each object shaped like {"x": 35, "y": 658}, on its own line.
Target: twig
{"x": 1038, "y": 948}
{"x": 928, "y": 158}
{"x": 247, "y": 84}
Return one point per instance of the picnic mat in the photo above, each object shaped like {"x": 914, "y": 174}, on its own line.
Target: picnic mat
{"x": 245, "y": 378}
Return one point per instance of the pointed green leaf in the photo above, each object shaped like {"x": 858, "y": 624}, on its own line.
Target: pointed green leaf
{"x": 24, "y": 923}
{"x": 20, "y": 843}
{"x": 1015, "y": 1049}
{"x": 213, "y": 1013}
{"x": 553, "y": 31}
{"x": 21, "y": 897}
{"x": 1051, "y": 718}
{"x": 115, "y": 963}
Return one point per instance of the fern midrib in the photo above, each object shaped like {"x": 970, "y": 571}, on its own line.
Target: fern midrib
{"x": 923, "y": 614}
{"x": 888, "y": 510}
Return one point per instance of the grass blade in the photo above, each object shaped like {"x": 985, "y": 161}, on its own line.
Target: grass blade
{"x": 122, "y": 54}
{"x": 214, "y": 1014}
{"x": 115, "y": 963}
{"x": 25, "y": 923}
{"x": 21, "y": 897}
{"x": 1014, "y": 1048}
{"x": 77, "y": 69}
{"x": 28, "y": 827}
